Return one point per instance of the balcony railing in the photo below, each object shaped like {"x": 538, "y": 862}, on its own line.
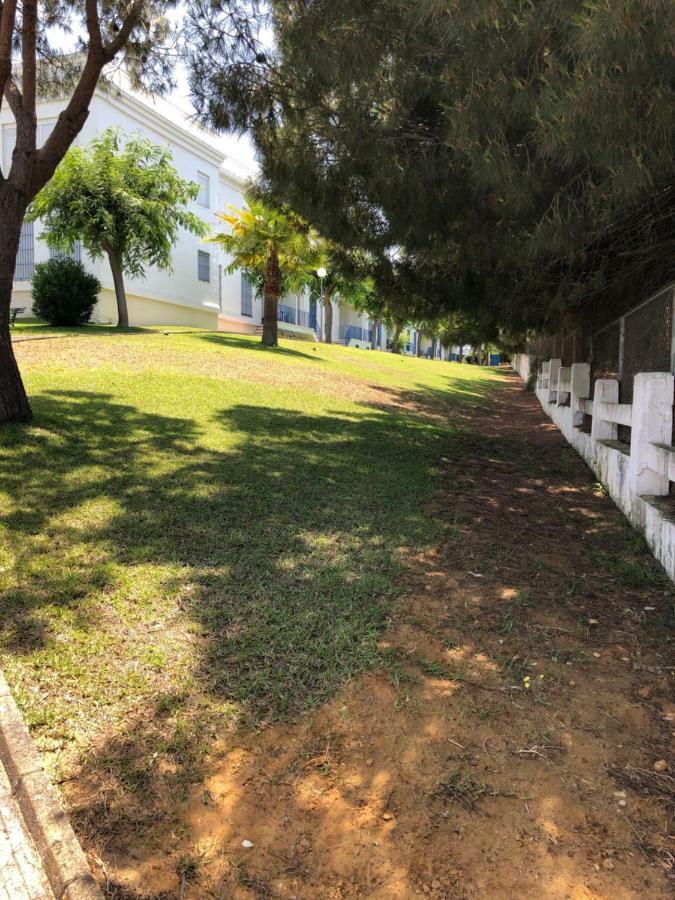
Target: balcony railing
{"x": 351, "y": 333}
{"x": 355, "y": 333}
{"x": 292, "y": 316}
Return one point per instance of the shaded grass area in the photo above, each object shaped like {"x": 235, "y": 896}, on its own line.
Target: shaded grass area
{"x": 183, "y": 553}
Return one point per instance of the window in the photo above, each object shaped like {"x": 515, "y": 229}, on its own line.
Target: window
{"x": 246, "y": 296}
{"x": 203, "y": 266}
{"x": 76, "y": 254}
{"x": 25, "y": 258}
{"x": 204, "y": 195}
{"x": 44, "y": 129}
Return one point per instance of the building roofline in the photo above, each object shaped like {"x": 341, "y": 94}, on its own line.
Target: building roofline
{"x": 124, "y": 98}
{"x": 128, "y": 101}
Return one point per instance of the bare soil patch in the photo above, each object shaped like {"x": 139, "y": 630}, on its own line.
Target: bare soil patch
{"x": 507, "y": 747}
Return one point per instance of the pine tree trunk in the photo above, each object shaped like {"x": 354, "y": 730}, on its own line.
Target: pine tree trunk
{"x": 270, "y": 335}
{"x": 373, "y": 343}
{"x": 120, "y": 292}
{"x": 14, "y": 405}
{"x": 328, "y": 320}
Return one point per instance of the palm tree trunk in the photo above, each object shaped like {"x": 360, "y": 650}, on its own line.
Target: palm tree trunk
{"x": 118, "y": 281}
{"x": 328, "y": 319}
{"x": 373, "y": 343}
{"x": 14, "y": 405}
{"x": 270, "y": 335}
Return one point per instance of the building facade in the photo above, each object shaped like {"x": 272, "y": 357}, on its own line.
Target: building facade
{"x": 198, "y": 291}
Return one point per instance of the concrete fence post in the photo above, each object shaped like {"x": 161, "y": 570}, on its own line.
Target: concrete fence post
{"x": 553, "y": 372}
{"x": 651, "y": 423}
{"x": 580, "y": 389}
{"x": 606, "y": 391}
{"x": 563, "y": 391}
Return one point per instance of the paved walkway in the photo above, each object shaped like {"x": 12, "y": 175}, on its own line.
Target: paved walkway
{"x": 21, "y": 874}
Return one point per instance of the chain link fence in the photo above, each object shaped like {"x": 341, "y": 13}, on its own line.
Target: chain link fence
{"x": 641, "y": 340}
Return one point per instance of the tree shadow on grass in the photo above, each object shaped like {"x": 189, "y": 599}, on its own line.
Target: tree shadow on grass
{"x": 221, "y": 339}
{"x": 175, "y": 586}
{"x": 278, "y": 552}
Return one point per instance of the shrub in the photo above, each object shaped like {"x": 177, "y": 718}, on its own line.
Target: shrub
{"x": 64, "y": 293}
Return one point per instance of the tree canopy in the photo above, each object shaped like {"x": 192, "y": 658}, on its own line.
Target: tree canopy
{"x": 120, "y": 196}
{"x": 485, "y": 153}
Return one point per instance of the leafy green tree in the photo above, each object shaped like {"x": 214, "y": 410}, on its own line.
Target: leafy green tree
{"x": 367, "y": 299}
{"x": 275, "y": 248}
{"x": 459, "y": 329}
{"x": 120, "y": 197}
{"x": 61, "y": 48}
{"x": 342, "y": 281}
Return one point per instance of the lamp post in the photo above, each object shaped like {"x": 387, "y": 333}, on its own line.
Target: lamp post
{"x": 321, "y": 272}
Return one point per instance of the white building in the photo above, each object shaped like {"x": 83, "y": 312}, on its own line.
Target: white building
{"x": 199, "y": 292}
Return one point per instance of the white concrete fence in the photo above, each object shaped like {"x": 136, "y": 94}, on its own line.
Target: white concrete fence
{"x": 635, "y": 476}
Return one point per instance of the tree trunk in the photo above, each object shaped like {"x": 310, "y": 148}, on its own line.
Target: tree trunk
{"x": 328, "y": 320}
{"x": 120, "y": 292}
{"x": 14, "y": 405}
{"x": 398, "y": 328}
{"x": 373, "y": 343}
{"x": 270, "y": 335}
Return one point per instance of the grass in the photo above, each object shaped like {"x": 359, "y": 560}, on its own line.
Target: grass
{"x": 196, "y": 532}
{"x": 464, "y": 789}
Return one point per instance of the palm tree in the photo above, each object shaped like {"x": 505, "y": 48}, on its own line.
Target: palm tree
{"x": 275, "y": 248}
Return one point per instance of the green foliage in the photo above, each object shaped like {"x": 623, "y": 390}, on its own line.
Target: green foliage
{"x": 118, "y": 194}
{"x": 260, "y": 231}
{"x": 476, "y": 145}
{"x": 64, "y": 293}
{"x": 345, "y": 278}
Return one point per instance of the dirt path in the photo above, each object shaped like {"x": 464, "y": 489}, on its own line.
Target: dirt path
{"x": 506, "y": 749}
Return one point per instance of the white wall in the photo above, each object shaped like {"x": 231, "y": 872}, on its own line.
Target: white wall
{"x": 635, "y": 476}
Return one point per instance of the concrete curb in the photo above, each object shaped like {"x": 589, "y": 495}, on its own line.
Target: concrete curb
{"x": 62, "y": 857}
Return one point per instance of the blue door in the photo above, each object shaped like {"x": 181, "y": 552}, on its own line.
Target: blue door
{"x": 312, "y": 314}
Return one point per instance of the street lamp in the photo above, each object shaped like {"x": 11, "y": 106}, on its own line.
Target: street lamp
{"x": 321, "y": 272}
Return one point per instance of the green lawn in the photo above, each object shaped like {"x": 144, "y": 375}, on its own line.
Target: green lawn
{"x": 197, "y": 533}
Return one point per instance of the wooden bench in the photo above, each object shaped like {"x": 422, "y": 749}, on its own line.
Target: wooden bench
{"x": 14, "y": 312}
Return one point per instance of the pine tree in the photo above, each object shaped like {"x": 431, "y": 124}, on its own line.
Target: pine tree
{"x": 492, "y": 141}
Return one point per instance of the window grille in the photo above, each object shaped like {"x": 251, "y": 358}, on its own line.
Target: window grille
{"x": 246, "y": 296}
{"x": 203, "y": 265}
{"x": 25, "y": 258}
{"x": 76, "y": 253}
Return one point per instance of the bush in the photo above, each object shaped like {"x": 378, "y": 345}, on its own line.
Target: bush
{"x": 64, "y": 293}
